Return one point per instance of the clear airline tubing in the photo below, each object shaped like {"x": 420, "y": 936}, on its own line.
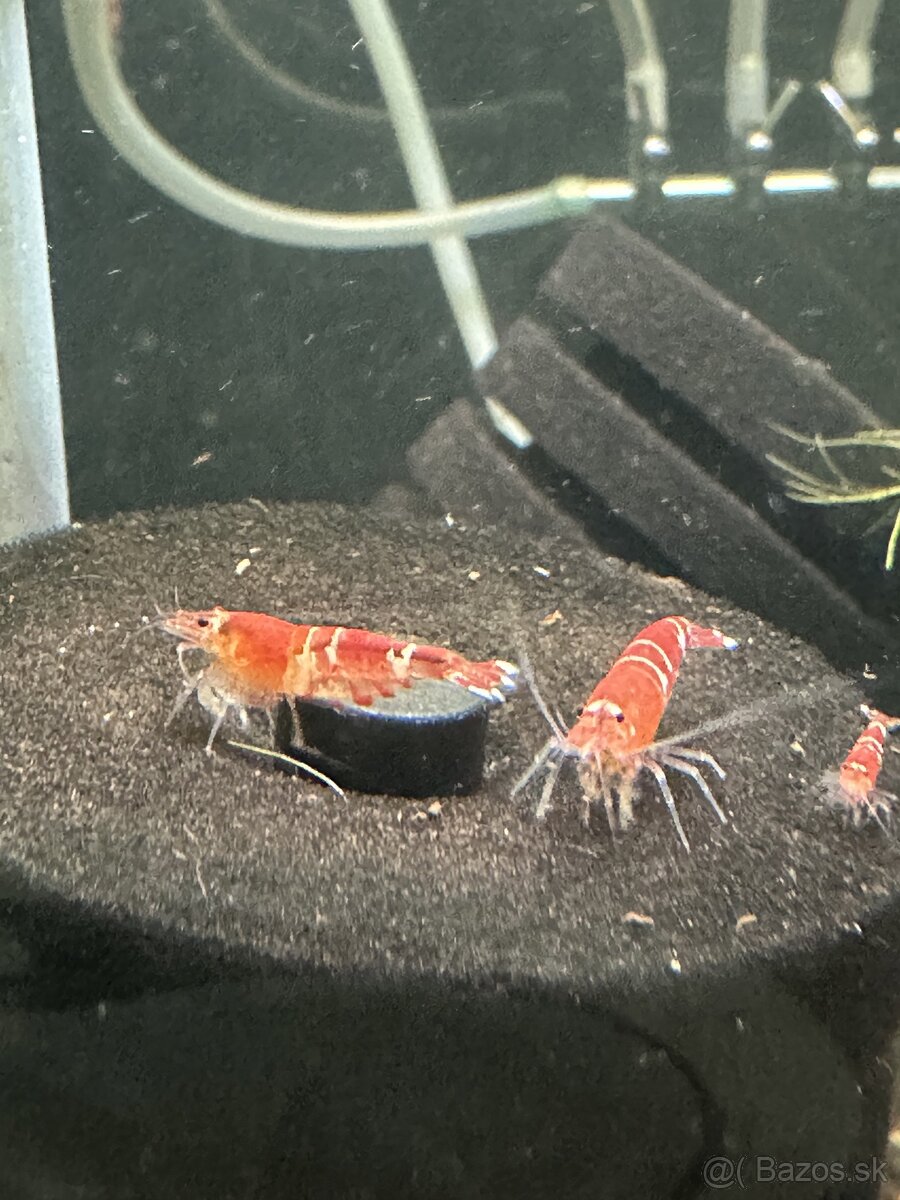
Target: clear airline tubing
{"x": 427, "y": 176}
{"x": 93, "y": 51}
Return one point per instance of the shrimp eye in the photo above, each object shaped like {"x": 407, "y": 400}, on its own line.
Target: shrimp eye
{"x": 202, "y": 622}
{"x": 620, "y": 716}
{"x": 579, "y": 710}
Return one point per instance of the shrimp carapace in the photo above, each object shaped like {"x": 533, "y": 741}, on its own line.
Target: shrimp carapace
{"x": 853, "y": 788}
{"x": 255, "y": 660}
{"x": 613, "y": 738}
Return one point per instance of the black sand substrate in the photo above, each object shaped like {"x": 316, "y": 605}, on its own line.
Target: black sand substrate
{"x": 780, "y": 925}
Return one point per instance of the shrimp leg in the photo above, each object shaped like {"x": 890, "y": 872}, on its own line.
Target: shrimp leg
{"x": 663, "y": 784}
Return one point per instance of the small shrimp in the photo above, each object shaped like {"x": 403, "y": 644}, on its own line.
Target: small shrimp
{"x": 613, "y": 736}
{"x": 852, "y": 788}
{"x": 255, "y": 660}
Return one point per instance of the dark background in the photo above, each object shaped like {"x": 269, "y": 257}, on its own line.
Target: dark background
{"x": 307, "y": 374}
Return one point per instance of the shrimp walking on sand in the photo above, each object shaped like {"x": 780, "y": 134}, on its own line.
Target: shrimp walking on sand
{"x": 612, "y": 739}
{"x": 254, "y": 660}
{"x": 853, "y": 787}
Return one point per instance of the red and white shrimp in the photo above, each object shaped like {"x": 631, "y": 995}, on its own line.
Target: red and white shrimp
{"x": 853, "y": 787}
{"x": 613, "y": 736}
{"x": 254, "y": 660}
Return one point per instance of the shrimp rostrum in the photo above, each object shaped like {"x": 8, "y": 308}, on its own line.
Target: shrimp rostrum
{"x": 253, "y": 661}
{"x": 613, "y": 739}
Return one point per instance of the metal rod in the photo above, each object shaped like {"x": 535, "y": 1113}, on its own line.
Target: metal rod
{"x": 33, "y": 491}
{"x": 852, "y": 64}
{"x": 747, "y": 68}
{"x": 860, "y": 128}
{"x": 646, "y": 81}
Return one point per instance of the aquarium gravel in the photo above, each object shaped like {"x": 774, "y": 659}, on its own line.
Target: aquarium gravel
{"x": 105, "y": 804}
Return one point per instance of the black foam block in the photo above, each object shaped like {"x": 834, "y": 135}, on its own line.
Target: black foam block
{"x": 661, "y": 397}
{"x": 696, "y": 342}
{"x": 230, "y": 982}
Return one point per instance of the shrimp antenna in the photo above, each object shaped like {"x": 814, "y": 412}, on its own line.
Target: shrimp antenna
{"x": 551, "y": 755}
{"x": 764, "y": 706}
{"x": 159, "y": 615}
{"x": 543, "y": 758}
{"x": 527, "y": 672}
{"x": 296, "y": 763}
{"x": 146, "y": 623}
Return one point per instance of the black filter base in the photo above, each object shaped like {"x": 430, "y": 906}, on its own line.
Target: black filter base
{"x": 221, "y": 981}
